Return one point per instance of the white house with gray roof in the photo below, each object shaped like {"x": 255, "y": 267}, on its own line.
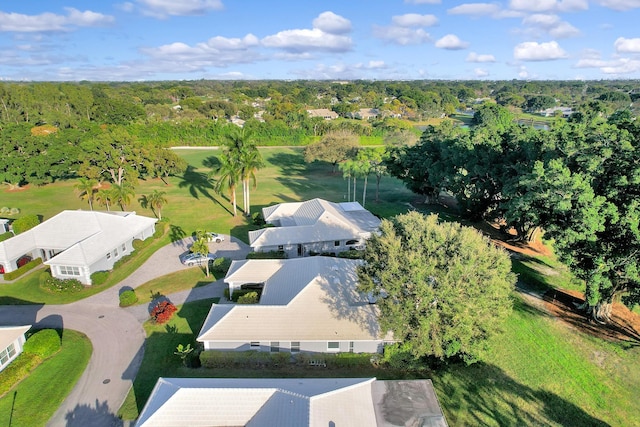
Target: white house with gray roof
{"x": 307, "y": 305}
{"x": 295, "y": 402}
{"x": 75, "y": 244}
{"x": 11, "y": 343}
{"x": 320, "y": 226}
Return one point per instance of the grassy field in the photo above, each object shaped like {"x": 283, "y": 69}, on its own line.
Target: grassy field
{"x": 24, "y": 406}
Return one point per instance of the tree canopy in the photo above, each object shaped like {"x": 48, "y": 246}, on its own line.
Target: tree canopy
{"x": 442, "y": 288}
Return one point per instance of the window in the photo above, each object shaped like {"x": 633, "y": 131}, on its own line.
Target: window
{"x": 295, "y": 346}
{"x": 280, "y": 248}
{"x": 336, "y": 243}
{"x": 124, "y": 248}
{"x": 255, "y": 344}
{"x": 333, "y": 345}
{"x": 11, "y": 350}
{"x": 4, "y": 357}
{"x": 275, "y": 346}
{"x": 108, "y": 255}
{"x": 115, "y": 252}
{"x": 350, "y": 346}
{"x": 352, "y": 242}
{"x": 69, "y": 271}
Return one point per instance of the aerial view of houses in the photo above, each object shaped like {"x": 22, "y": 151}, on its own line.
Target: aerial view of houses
{"x": 392, "y": 213}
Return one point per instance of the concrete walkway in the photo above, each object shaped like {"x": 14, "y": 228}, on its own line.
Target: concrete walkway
{"x": 116, "y": 334}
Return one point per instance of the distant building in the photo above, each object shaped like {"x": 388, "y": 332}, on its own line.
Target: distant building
{"x": 549, "y": 112}
{"x": 325, "y": 113}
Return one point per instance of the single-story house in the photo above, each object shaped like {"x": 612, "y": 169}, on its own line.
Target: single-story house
{"x": 314, "y": 226}
{"x": 566, "y": 111}
{"x": 295, "y": 402}
{"x": 306, "y": 305}
{"x": 325, "y": 113}
{"x": 11, "y": 343}
{"x": 75, "y": 244}
{"x": 366, "y": 113}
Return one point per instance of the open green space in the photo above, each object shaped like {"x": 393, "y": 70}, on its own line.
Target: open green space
{"x": 174, "y": 282}
{"x": 25, "y": 405}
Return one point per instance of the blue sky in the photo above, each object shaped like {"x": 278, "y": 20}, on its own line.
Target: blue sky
{"x": 301, "y": 39}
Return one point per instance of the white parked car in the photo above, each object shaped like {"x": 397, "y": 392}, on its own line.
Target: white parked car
{"x": 197, "y": 259}
{"x": 214, "y": 237}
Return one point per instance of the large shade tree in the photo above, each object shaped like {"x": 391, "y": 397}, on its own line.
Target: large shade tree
{"x": 334, "y": 147}
{"x": 442, "y": 289}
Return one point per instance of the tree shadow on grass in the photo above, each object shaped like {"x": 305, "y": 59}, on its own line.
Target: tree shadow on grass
{"x": 289, "y": 163}
{"x": 484, "y": 394}
{"x": 198, "y": 183}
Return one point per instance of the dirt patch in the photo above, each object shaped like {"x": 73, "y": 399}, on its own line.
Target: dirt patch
{"x": 564, "y": 305}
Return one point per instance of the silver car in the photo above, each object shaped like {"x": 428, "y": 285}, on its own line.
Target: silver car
{"x": 197, "y": 259}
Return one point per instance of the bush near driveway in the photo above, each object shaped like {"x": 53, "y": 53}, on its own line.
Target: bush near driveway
{"x": 162, "y": 312}
{"x": 44, "y": 343}
{"x": 128, "y": 298}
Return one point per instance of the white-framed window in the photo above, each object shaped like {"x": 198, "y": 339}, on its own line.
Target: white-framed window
{"x": 350, "y": 346}
{"x": 280, "y": 248}
{"x": 108, "y": 255}
{"x": 255, "y": 344}
{"x": 124, "y": 248}
{"x": 275, "y": 346}
{"x": 69, "y": 271}
{"x": 295, "y": 346}
{"x": 336, "y": 243}
{"x": 333, "y": 346}
{"x": 115, "y": 252}
{"x": 4, "y": 357}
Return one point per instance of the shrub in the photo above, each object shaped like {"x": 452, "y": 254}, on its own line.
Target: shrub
{"x": 44, "y": 343}
{"x": 351, "y": 254}
{"x": 248, "y": 298}
{"x": 220, "y": 265}
{"x": 258, "y": 219}
{"x": 162, "y": 312}
{"x": 25, "y": 223}
{"x": 267, "y": 255}
{"x": 242, "y": 359}
{"x": 239, "y": 293}
{"x": 99, "y": 277}
{"x": 5, "y": 236}
{"x": 139, "y": 244}
{"x": 128, "y": 298}
{"x": 121, "y": 261}
{"x": 18, "y": 370}
{"x": 21, "y": 270}
{"x": 51, "y": 284}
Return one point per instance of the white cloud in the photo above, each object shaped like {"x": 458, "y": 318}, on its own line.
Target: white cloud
{"x": 17, "y": 22}
{"x": 165, "y": 8}
{"x": 523, "y": 73}
{"x": 475, "y": 9}
{"x": 331, "y": 23}
{"x": 341, "y": 70}
{"x": 534, "y": 51}
{"x": 551, "y": 24}
{"x": 622, "y": 66}
{"x": 620, "y": 4}
{"x": 549, "y": 5}
{"x": 590, "y": 63}
{"x": 474, "y": 57}
{"x": 402, "y": 36}
{"x": 480, "y": 72}
{"x": 423, "y": 1}
{"x": 217, "y": 51}
{"x": 627, "y": 45}
{"x": 414, "y": 20}
{"x": 451, "y": 42}
{"x": 304, "y": 40}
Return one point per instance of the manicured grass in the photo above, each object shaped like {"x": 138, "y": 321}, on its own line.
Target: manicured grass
{"x": 159, "y": 360}
{"x": 174, "y": 282}
{"x": 54, "y": 379}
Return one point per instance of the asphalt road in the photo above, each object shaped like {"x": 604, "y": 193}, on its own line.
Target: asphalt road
{"x": 115, "y": 333}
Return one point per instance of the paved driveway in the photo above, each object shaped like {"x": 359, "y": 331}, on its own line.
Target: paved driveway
{"x": 115, "y": 333}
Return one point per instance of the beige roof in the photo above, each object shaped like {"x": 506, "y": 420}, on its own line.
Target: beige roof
{"x": 305, "y": 299}
{"x": 83, "y": 236}
{"x": 323, "y": 112}
{"x": 259, "y": 402}
{"x": 315, "y": 220}
{"x": 295, "y": 402}
{"x": 9, "y": 334}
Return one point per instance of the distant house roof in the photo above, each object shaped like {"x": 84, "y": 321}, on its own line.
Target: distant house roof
{"x": 367, "y": 113}
{"x": 325, "y": 113}
{"x": 81, "y": 236}
{"x": 294, "y": 402}
{"x": 9, "y": 334}
{"x": 315, "y": 220}
{"x": 303, "y": 299}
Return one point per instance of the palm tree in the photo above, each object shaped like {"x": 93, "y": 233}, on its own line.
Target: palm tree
{"x": 86, "y": 188}
{"x": 201, "y": 247}
{"x": 104, "y": 197}
{"x": 156, "y": 200}
{"x": 228, "y": 173}
{"x": 122, "y": 194}
{"x": 250, "y": 161}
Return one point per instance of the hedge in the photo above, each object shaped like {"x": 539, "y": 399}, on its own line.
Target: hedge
{"x": 5, "y": 236}
{"x": 128, "y": 298}
{"x": 52, "y": 284}
{"x": 20, "y": 271}
{"x": 18, "y": 370}
{"x": 243, "y": 359}
{"x": 44, "y": 343}
{"x": 99, "y": 277}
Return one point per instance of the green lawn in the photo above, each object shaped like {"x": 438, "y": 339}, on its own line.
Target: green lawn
{"x": 25, "y": 405}
{"x": 174, "y": 282}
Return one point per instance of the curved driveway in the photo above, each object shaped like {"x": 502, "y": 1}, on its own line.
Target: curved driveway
{"x": 115, "y": 333}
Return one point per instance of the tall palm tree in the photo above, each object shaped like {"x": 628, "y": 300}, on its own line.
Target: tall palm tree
{"x": 156, "y": 200}
{"x": 250, "y": 161}
{"x": 122, "y": 194}
{"x": 201, "y": 247}
{"x": 86, "y": 188}
{"x": 228, "y": 176}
